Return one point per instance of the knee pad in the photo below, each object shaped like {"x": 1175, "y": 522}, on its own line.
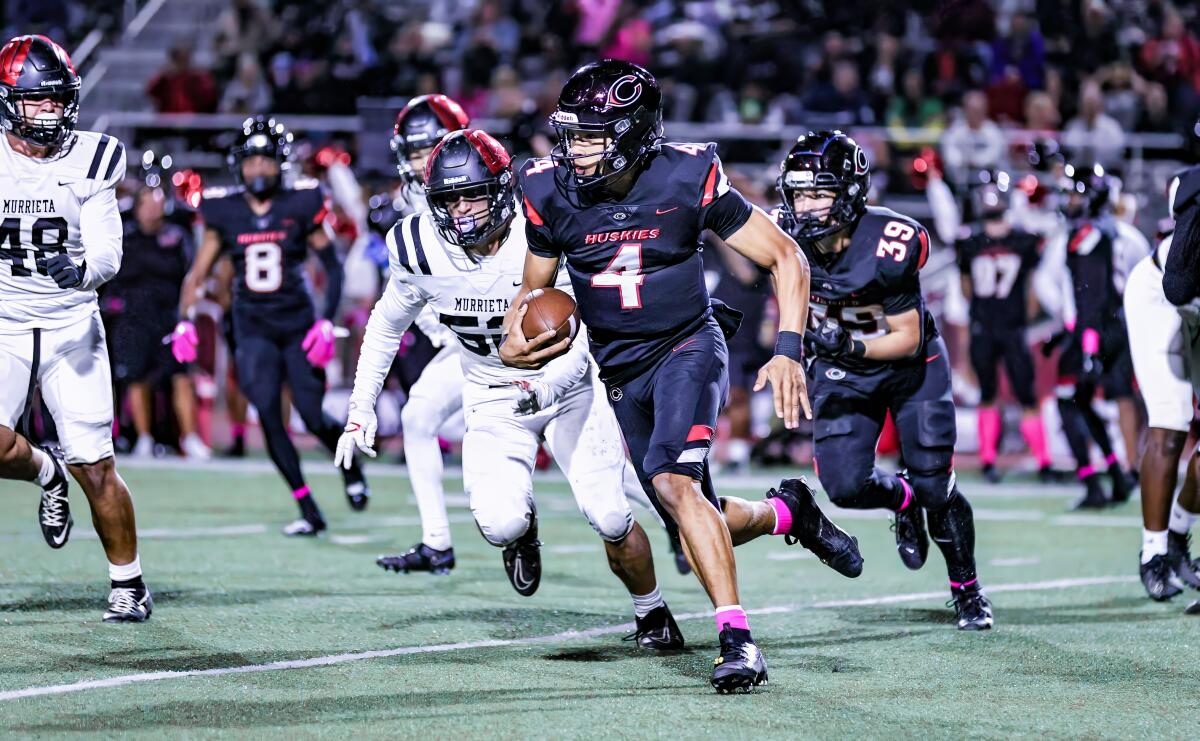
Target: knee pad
{"x": 933, "y": 490}
{"x": 502, "y": 531}
{"x": 613, "y": 526}
{"x": 418, "y": 417}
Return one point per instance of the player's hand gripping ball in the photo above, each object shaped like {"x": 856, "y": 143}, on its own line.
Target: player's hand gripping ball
{"x": 544, "y": 325}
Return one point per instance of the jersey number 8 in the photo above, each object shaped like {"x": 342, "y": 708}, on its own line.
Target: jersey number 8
{"x": 264, "y": 267}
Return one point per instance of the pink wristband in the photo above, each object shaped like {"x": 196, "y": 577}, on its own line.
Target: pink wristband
{"x": 1091, "y": 341}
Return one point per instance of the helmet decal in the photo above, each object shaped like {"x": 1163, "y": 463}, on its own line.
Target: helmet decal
{"x": 623, "y": 92}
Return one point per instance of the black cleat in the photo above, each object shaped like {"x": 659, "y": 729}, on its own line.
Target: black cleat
{"x": 129, "y": 605}
{"x": 741, "y": 666}
{"x": 1179, "y": 557}
{"x": 419, "y": 558}
{"x": 237, "y": 449}
{"x": 1192, "y": 609}
{"x": 1122, "y": 485}
{"x": 523, "y": 560}
{"x": 972, "y": 610}
{"x": 912, "y": 538}
{"x": 1093, "y": 496}
{"x": 816, "y": 532}
{"x": 1158, "y": 580}
{"x": 54, "y": 511}
{"x": 991, "y": 474}
{"x": 657, "y": 631}
{"x": 304, "y": 528}
{"x": 358, "y": 492}
{"x": 681, "y": 562}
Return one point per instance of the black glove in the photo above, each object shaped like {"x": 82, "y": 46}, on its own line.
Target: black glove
{"x": 64, "y": 272}
{"x": 1091, "y": 369}
{"x": 832, "y": 342}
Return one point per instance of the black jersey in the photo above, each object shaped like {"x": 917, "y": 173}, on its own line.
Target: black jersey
{"x": 1090, "y": 249}
{"x": 999, "y": 271}
{"x": 635, "y": 264}
{"x": 268, "y": 251}
{"x": 152, "y": 268}
{"x": 876, "y": 276}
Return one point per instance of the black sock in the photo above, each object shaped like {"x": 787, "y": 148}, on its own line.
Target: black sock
{"x": 953, "y": 529}
{"x": 134, "y": 583}
{"x": 309, "y": 509}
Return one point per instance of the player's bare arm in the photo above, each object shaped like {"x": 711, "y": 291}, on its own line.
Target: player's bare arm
{"x": 519, "y": 351}
{"x": 763, "y": 242}
{"x": 193, "y": 283}
{"x": 902, "y": 340}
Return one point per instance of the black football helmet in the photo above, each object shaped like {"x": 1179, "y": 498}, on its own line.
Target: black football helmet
{"x": 36, "y": 68}
{"x": 824, "y": 161}
{"x": 421, "y": 124}
{"x": 617, "y": 101}
{"x": 1087, "y": 192}
{"x": 261, "y": 136}
{"x": 470, "y": 164}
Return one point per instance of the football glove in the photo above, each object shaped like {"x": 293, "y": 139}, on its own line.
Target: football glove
{"x": 832, "y": 342}
{"x": 62, "y": 270}
{"x": 533, "y": 396}
{"x": 319, "y": 343}
{"x": 184, "y": 342}
{"x": 359, "y": 434}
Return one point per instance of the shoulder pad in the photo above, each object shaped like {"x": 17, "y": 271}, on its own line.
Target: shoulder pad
{"x": 690, "y": 149}
{"x": 1187, "y": 190}
{"x": 95, "y": 156}
{"x": 900, "y": 243}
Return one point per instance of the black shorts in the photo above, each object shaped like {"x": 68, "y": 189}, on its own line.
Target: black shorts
{"x": 990, "y": 347}
{"x": 849, "y": 409}
{"x": 136, "y": 346}
{"x": 668, "y": 413}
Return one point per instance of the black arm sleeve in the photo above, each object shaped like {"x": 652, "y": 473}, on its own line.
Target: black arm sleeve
{"x": 1090, "y": 275}
{"x": 334, "y": 277}
{"x": 1181, "y": 275}
{"x": 727, "y": 213}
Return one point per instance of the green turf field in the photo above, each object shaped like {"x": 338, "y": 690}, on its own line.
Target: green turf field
{"x": 1077, "y": 652}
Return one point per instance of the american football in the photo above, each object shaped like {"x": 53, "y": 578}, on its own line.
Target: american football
{"x": 870, "y": 408}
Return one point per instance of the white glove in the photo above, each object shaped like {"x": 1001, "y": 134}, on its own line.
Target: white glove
{"x": 359, "y": 433}
{"x": 533, "y": 396}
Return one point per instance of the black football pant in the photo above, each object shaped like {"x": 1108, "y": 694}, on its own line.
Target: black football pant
{"x": 265, "y": 361}
{"x": 849, "y": 410}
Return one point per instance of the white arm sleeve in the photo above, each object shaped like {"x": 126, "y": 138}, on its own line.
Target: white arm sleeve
{"x": 439, "y": 334}
{"x": 1052, "y": 280}
{"x": 390, "y": 319}
{"x": 946, "y": 218}
{"x": 100, "y": 229}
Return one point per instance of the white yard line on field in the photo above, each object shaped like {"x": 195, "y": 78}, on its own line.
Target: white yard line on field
{"x": 570, "y": 635}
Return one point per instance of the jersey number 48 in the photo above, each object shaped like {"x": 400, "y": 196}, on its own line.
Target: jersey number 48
{"x": 22, "y": 244}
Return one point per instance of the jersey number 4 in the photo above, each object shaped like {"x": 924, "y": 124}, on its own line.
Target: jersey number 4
{"x": 22, "y": 244}
{"x": 624, "y": 273}
{"x": 897, "y": 230}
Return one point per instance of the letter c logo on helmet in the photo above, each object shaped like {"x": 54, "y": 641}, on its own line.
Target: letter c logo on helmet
{"x": 616, "y": 99}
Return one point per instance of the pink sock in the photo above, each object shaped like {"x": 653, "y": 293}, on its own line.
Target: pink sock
{"x": 989, "y": 433}
{"x": 302, "y": 492}
{"x": 1110, "y": 459}
{"x": 1085, "y": 471}
{"x": 1035, "y": 437}
{"x": 908, "y": 494}
{"x": 238, "y": 429}
{"x": 783, "y": 516}
{"x": 963, "y": 584}
{"x": 733, "y": 616}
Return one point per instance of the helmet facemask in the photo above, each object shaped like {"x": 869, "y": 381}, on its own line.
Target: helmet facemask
{"x": 481, "y": 225}
{"x": 45, "y": 128}
{"x": 816, "y": 223}
{"x": 626, "y": 142}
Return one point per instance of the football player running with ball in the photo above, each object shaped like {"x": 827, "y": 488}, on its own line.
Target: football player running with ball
{"x": 624, "y": 212}
{"x": 62, "y": 234}
{"x": 877, "y": 350}
{"x": 462, "y": 258}
{"x": 268, "y": 229}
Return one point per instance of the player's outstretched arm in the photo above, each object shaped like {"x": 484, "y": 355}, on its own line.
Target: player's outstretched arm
{"x": 517, "y": 350}
{"x": 184, "y": 340}
{"x": 763, "y": 242}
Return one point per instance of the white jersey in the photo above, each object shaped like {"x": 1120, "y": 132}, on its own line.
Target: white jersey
{"x": 469, "y": 296}
{"x": 66, "y": 203}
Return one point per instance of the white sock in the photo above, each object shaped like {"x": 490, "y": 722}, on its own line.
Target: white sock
{"x": 424, "y": 459}
{"x": 131, "y": 570}
{"x": 1154, "y": 543}
{"x": 45, "y": 466}
{"x": 1181, "y": 519}
{"x": 644, "y": 604}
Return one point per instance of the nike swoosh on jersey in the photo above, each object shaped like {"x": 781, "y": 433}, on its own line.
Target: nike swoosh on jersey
{"x": 661, "y": 211}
